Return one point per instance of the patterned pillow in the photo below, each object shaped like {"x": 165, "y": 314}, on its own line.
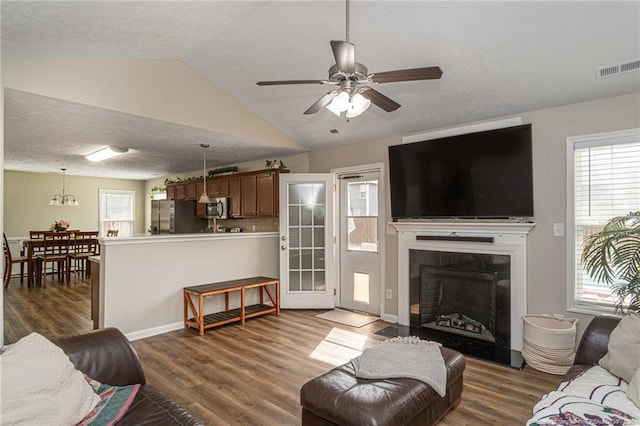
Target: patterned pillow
{"x": 114, "y": 402}
{"x": 623, "y": 356}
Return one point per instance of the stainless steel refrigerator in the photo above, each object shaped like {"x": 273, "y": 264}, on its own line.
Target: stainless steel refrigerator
{"x": 160, "y": 216}
{"x": 176, "y": 217}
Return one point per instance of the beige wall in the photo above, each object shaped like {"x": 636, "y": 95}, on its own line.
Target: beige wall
{"x": 27, "y": 195}
{"x": 162, "y": 89}
{"x": 547, "y": 282}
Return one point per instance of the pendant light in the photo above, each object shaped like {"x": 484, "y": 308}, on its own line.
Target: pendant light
{"x": 204, "y": 198}
{"x": 64, "y": 199}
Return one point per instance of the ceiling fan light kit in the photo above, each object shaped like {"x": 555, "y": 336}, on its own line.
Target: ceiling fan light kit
{"x": 355, "y": 94}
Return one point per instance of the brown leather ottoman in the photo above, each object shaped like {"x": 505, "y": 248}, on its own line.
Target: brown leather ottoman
{"x": 339, "y": 398}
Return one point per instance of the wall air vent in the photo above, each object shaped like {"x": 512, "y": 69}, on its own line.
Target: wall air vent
{"x": 617, "y": 69}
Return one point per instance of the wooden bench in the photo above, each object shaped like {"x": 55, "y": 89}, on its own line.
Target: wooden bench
{"x": 201, "y": 322}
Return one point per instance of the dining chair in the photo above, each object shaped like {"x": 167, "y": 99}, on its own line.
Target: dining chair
{"x": 85, "y": 245}
{"x": 112, "y": 233}
{"x": 55, "y": 251}
{"x": 10, "y": 260}
{"x": 33, "y": 235}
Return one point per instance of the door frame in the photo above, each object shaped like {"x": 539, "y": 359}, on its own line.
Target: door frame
{"x": 382, "y": 225}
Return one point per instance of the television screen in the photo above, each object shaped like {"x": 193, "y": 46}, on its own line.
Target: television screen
{"x": 477, "y": 175}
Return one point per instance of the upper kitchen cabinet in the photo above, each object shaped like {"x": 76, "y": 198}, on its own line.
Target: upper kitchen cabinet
{"x": 267, "y": 194}
{"x": 235, "y": 193}
{"x": 171, "y": 192}
{"x": 218, "y": 187}
{"x": 249, "y": 196}
{"x": 254, "y": 194}
{"x": 185, "y": 191}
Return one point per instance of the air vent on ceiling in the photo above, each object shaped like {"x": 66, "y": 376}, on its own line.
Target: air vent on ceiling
{"x": 617, "y": 69}
{"x": 333, "y": 131}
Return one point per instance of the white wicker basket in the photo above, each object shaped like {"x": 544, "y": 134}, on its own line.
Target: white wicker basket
{"x": 549, "y": 342}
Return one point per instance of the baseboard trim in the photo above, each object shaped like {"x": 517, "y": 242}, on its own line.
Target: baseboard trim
{"x": 149, "y": 332}
{"x": 389, "y": 318}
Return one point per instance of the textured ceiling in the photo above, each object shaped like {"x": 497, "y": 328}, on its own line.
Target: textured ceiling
{"x": 498, "y": 58}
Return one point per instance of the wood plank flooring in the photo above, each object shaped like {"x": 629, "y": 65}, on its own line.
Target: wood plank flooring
{"x": 251, "y": 375}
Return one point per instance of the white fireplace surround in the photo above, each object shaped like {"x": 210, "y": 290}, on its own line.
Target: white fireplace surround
{"x": 509, "y": 238}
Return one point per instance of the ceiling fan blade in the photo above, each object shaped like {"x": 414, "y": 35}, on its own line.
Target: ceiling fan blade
{"x": 345, "y": 54}
{"x": 427, "y": 73}
{"x": 275, "y": 83}
{"x": 321, "y": 103}
{"x": 380, "y": 100}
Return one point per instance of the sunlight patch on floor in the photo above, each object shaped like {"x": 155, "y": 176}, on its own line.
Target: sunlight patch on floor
{"x": 340, "y": 346}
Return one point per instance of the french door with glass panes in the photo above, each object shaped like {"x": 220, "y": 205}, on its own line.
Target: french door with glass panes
{"x": 307, "y": 274}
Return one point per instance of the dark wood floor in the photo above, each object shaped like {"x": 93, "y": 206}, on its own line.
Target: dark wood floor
{"x": 252, "y": 375}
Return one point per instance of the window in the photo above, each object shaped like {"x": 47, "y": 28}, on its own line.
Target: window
{"x": 603, "y": 179}
{"x": 362, "y": 216}
{"x": 117, "y": 211}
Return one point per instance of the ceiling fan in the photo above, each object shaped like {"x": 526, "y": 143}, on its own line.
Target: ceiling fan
{"x": 354, "y": 93}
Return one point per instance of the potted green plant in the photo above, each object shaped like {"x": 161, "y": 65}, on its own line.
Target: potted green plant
{"x": 613, "y": 256}
{"x": 277, "y": 165}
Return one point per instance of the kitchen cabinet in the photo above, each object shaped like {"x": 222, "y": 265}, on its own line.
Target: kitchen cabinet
{"x": 171, "y": 192}
{"x": 235, "y": 195}
{"x": 249, "y": 194}
{"x": 267, "y": 194}
{"x": 184, "y": 191}
{"x": 218, "y": 187}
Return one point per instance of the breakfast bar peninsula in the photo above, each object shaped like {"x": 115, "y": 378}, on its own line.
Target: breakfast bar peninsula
{"x": 142, "y": 278}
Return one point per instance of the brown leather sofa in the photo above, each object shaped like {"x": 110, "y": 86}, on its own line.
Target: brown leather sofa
{"x": 338, "y": 397}
{"x": 593, "y": 344}
{"x": 107, "y": 356}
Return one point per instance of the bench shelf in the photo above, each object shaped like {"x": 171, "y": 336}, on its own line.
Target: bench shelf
{"x": 202, "y": 321}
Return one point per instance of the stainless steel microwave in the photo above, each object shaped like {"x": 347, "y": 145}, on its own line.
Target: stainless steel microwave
{"x": 218, "y": 208}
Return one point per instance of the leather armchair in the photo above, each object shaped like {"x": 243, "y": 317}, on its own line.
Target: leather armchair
{"x": 107, "y": 356}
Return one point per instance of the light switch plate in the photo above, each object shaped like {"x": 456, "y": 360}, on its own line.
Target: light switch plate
{"x": 558, "y": 229}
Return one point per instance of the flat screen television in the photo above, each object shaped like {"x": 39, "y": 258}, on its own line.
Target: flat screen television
{"x": 476, "y": 175}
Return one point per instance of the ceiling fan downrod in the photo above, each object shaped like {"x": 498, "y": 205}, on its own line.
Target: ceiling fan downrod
{"x": 347, "y": 26}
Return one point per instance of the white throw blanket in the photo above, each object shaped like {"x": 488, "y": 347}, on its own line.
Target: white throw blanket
{"x": 404, "y": 357}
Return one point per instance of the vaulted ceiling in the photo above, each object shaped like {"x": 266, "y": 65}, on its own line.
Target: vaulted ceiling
{"x": 498, "y": 58}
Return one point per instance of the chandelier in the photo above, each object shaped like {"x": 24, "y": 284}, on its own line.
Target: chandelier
{"x": 64, "y": 199}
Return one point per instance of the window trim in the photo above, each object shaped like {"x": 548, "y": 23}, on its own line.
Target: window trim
{"x": 133, "y": 207}
{"x": 585, "y": 141}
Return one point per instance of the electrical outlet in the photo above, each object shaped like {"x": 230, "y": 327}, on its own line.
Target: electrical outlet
{"x": 389, "y": 293}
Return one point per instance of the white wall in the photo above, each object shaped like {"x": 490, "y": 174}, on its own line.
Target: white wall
{"x": 142, "y": 278}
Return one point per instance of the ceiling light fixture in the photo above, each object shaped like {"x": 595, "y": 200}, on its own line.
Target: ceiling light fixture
{"x": 105, "y": 153}
{"x": 353, "y": 104}
{"x": 64, "y": 199}
{"x": 204, "y": 198}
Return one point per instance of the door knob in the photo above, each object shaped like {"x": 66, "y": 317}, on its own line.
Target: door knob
{"x": 283, "y": 247}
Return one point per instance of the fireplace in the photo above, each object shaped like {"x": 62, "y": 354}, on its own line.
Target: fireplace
{"x": 462, "y": 299}
{"x": 464, "y": 284}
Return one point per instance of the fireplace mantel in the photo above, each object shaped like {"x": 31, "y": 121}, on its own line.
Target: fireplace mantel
{"x": 507, "y": 238}
{"x": 471, "y": 228}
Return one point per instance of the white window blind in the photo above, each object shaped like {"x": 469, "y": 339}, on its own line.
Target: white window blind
{"x": 117, "y": 212}
{"x": 606, "y": 183}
